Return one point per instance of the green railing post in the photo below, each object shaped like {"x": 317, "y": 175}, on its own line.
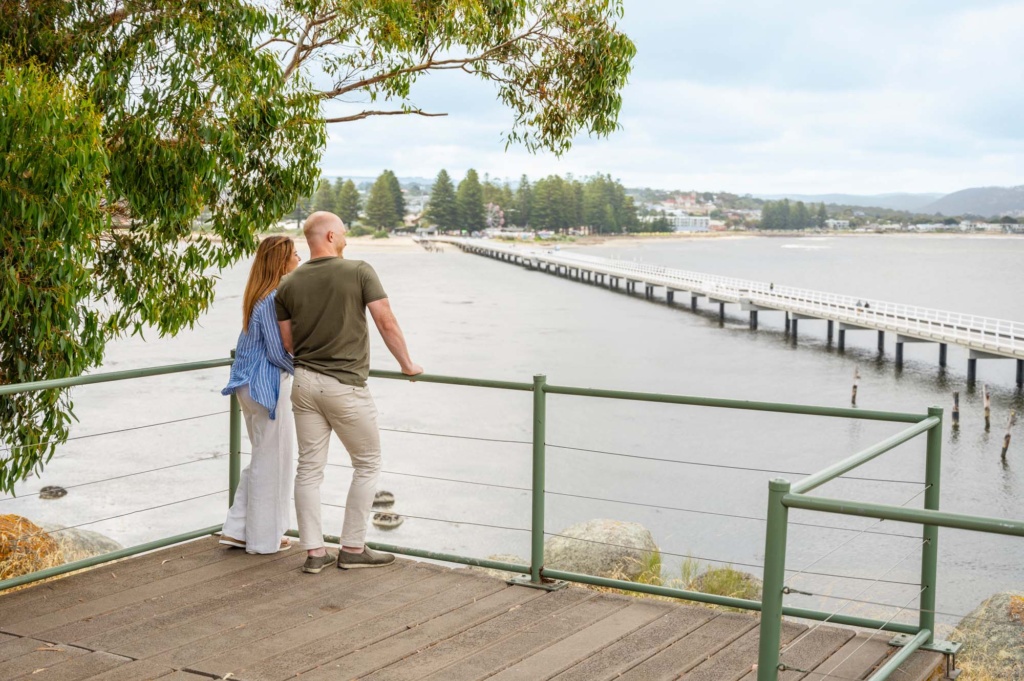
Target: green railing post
{"x": 539, "y": 435}
{"x": 774, "y": 581}
{"x": 235, "y": 455}
{"x": 930, "y": 548}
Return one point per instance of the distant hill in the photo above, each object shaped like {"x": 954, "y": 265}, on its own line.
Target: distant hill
{"x": 984, "y": 201}
{"x": 914, "y": 203}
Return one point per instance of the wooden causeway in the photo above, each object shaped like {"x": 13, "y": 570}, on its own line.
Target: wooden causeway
{"x": 203, "y": 611}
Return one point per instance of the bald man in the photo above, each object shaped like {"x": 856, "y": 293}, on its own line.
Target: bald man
{"x": 321, "y": 309}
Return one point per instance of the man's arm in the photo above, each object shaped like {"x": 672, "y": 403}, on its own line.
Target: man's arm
{"x": 286, "y": 335}
{"x": 386, "y": 323}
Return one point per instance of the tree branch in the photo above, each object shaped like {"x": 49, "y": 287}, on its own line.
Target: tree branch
{"x": 367, "y": 114}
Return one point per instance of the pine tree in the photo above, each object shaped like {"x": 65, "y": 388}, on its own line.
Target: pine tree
{"x": 396, "y": 192}
{"x": 348, "y": 202}
{"x": 822, "y": 216}
{"x": 381, "y": 210}
{"x": 324, "y": 198}
{"x": 470, "y": 202}
{"x": 523, "y": 203}
{"x": 442, "y": 211}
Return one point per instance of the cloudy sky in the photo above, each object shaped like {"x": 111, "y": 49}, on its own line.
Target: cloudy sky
{"x": 858, "y": 96}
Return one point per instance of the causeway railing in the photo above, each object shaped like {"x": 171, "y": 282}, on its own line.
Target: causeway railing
{"x": 782, "y": 496}
{"x": 1000, "y": 336}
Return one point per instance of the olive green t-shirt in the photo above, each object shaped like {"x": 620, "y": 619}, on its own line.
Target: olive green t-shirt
{"x": 326, "y": 300}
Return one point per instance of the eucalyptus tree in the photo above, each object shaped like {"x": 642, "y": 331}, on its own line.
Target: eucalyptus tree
{"x": 123, "y": 123}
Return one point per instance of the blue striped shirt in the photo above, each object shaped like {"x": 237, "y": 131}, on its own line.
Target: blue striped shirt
{"x": 260, "y": 357}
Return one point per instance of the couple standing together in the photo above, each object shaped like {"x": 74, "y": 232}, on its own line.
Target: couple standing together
{"x": 310, "y": 322}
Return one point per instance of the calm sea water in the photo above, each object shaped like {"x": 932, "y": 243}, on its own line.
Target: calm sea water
{"x": 471, "y": 316}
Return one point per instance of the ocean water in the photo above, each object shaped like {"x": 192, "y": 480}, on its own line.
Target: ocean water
{"x": 470, "y": 316}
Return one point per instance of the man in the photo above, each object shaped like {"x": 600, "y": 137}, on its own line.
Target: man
{"x": 321, "y": 309}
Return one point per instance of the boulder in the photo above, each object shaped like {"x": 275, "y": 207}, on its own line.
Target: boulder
{"x": 993, "y": 637}
{"x": 25, "y": 547}
{"x": 605, "y": 548}
{"x": 77, "y": 544}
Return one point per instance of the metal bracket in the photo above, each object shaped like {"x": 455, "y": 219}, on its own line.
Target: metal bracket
{"x": 947, "y": 648}
{"x": 544, "y": 584}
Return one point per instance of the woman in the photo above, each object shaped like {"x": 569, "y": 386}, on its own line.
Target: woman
{"x": 261, "y": 379}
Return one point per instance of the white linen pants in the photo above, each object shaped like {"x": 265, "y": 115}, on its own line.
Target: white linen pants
{"x": 260, "y": 514}
{"x": 322, "y": 405}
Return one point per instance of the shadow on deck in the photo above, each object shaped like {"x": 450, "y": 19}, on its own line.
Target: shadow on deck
{"x": 198, "y": 611}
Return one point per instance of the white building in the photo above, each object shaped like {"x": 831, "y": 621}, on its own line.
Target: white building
{"x": 837, "y": 224}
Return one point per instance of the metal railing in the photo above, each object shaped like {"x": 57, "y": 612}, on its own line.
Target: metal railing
{"x": 988, "y": 334}
{"x": 782, "y": 496}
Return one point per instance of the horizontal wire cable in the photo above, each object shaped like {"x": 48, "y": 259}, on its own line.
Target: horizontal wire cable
{"x": 863, "y": 591}
{"x": 457, "y": 437}
{"x": 729, "y": 515}
{"x": 877, "y": 631}
{"x": 632, "y": 503}
{"x": 434, "y": 477}
{"x": 444, "y": 520}
{"x": 723, "y": 562}
{"x": 116, "y": 477}
{"x": 893, "y": 605}
{"x": 725, "y": 466}
{"x": 848, "y": 541}
{"x": 121, "y": 515}
{"x": 114, "y": 432}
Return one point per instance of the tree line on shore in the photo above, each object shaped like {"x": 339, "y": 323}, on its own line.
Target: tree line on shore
{"x": 552, "y": 203}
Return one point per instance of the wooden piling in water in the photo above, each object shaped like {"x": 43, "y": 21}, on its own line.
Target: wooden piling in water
{"x": 987, "y": 396}
{"x": 1009, "y": 426}
{"x": 956, "y": 409}
{"x": 856, "y": 378}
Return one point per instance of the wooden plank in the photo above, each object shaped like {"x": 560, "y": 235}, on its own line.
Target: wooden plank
{"x": 80, "y": 668}
{"x": 41, "y": 656}
{"x": 688, "y": 652}
{"x": 140, "y": 670}
{"x": 237, "y": 560}
{"x": 106, "y": 580}
{"x": 124, "y": 567}
{"x": 922, "y": 665}
{"x": 253, "y": 583}
{"x": 373, "y": 626}
{"x": 855, "y": 659}
{"x": 576, "y": 648}
{"x": 184, "y": 676}
{"x": 371, "y": 658}
{"x": 16, "y": 647}
{"x": 642, "y": 644}
{"x": 809, "y": 651}
{"x": 493, "y": 632}
{"x": 540, "y": 635}
{"x": 262, "y": 626}
{"x": 739, "y": 657}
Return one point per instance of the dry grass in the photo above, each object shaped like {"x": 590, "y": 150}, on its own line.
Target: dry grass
{"x": 693, "y": 576}
{"x": 25, "y": 547}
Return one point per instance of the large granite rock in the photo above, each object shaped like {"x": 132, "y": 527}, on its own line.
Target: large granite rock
{"x": 993, "y": 638}
{"x": 606, "y": 548}
{"x": 25, "y": 547}
{"x": 77, "y": 544}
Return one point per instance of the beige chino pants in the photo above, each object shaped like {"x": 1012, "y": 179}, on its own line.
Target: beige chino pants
{"x": 322, "y": 405}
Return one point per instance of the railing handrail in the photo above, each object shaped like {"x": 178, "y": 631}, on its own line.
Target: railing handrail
{"x": 782, "y": 495}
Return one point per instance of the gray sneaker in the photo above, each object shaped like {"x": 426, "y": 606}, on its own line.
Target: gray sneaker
{"x": 315, "y": 564}
{"x": 367, "y": 559}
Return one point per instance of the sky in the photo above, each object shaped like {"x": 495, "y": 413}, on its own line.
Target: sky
{"x": 752, "y": 96}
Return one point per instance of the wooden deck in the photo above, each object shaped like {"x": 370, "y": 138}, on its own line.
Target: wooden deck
{"x": 199, "y": 611}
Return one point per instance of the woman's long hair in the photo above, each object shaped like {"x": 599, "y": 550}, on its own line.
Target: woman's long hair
{"x": 272, "y": 259}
